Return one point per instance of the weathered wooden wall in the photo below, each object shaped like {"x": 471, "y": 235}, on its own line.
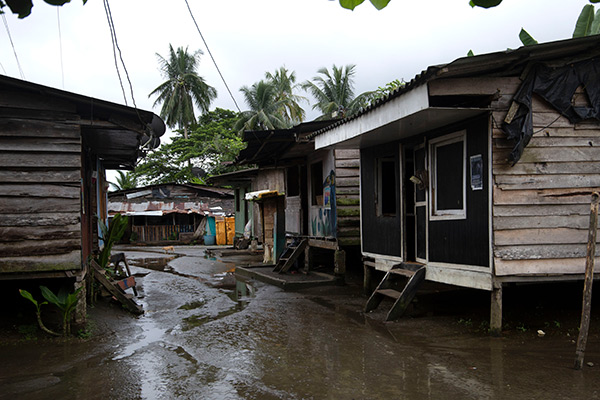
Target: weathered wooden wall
{"x": 541, "y": 205}
{"x": 267, "y": 179}
{"x": 40, "y": 173}
{"x": 347, "y": 196}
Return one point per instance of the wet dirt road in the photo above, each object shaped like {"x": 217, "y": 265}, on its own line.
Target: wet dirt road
{"x": 197, "y": 341}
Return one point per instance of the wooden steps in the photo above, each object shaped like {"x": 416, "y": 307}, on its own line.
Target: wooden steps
{"x": 113, "y": 288}
{"x": 416, "y": 275}
{"x": 290, "y": 254}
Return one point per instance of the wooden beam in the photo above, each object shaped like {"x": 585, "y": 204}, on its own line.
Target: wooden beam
{"x": 589, "y": 279}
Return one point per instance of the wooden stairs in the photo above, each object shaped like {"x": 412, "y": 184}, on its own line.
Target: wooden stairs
{"x": 290, "y": 254}
{"x": 117, "y": 288}
{"x": 413, "y": 273}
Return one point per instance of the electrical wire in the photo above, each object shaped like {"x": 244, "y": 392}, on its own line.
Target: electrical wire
{"x": 211, "y": 56}
{"x": 113, "y": 37}
{"x": 62, "y": 69}
{"x": 13, "y": 47}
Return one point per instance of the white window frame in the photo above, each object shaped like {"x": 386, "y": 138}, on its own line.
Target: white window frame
{"x": 434, "y": 213}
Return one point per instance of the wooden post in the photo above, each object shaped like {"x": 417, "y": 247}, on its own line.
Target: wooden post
{"x": 308, "y": 259}
{"x": 496, "y": 311}
{"x": 340, "y": 263}
{"x": 367, "y": 280}
{"x": 587, "y": 286}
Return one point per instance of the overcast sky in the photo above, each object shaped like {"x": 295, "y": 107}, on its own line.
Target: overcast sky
{"x": 250, "y": 37}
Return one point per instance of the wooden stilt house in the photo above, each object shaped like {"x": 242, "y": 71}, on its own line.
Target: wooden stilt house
{"x": 479, "y": 172}
{"x": 319, "y": 210}
{"x": 55, "y": 147}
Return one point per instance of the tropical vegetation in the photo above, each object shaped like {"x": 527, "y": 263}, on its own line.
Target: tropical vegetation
{"x": 125, "y": 181}
{"x": 334, "y": 92}
{"x": 209, "y": 150}
{"x": 265, "y": 110}
{"x": 285, "y": 87}
{"x": 588, "y": 24}
{"x": 182, "y": 89}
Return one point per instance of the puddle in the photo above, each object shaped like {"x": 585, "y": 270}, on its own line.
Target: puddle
{"x": 193, "y": 305}
{"x": 199, "y": 320}
{"x": 153, "y": 263}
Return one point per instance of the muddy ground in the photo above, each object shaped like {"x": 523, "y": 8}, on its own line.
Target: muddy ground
{"x": 206, "y": 336}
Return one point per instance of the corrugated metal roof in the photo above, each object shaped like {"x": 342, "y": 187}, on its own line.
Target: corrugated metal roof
{"x": 502, "y": 63}
{"x": 157, "y": 208}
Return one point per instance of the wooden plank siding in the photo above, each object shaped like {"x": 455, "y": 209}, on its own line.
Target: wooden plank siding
{"x": 40, "y": 189}
{"x": 541, "y": 204}
{"x": 347, "y": 173}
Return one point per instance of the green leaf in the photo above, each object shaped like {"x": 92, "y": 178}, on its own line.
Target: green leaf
{"x": 380, "y": 4}
{"x": 350, "y": 4}
{"x": 594, "y": 1}
{"x": 20, "y": 7}
{"x": 470, "y": 53}
{"x": 526, "y": 38}
{"x": 28, "y": 296}
{"x": 595, "y": 29}
{"x": 57, "y": 2}
{"x": 50, "y": 296}
{"x": 584, "y": 22}
{"x": 484, "y": 3}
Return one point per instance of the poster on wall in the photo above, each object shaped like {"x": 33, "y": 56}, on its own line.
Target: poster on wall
{"x": 477, "y": 172}
{"x": 327, "y": 197}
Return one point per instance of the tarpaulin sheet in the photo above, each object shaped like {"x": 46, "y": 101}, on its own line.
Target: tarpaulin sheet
{"x": 557, "y": 86}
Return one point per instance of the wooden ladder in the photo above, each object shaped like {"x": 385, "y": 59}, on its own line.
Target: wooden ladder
{"x": 114, "y": 289}
{"x": 415, "y": 272}
{"x": 290, "y": 254}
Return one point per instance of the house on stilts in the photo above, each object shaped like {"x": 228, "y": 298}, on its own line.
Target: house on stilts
{"x": 305, "y": 203}
{"x": 478, "y": 173}
{"x": 55, "y": 148}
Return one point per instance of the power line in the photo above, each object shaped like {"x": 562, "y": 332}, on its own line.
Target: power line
{"x": 13, "y": 47}
{"x": 114, "y": 39}
{"x": 211, "y": 56}
{"x": 62, "y": 69}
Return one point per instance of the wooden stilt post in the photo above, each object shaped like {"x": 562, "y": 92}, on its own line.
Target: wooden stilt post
{"x": 340, "y": 263}
{"x": 496, "y": 311}
{"x": 367, "y": 280}
{"x": 587, "y": 286}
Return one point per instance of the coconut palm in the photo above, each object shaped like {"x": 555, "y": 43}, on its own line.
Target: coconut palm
{"x": 125, "y": 181}
{"x": 265, "y": 109}
{"x": 334, "y": 92}
{"x": 183, "y": 87}
{"x": 285, "y": 83}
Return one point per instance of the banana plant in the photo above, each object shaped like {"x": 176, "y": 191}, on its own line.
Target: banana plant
{"x": 588, "y": 24}
{"x": 65, "y": 301}
{"x": 38, "y": 311}
{"x": 110, "y": 235}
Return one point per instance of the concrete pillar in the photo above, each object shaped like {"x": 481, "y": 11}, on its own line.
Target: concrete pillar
{"x": 339, "y": 263}
{"x": 496, "y": 311}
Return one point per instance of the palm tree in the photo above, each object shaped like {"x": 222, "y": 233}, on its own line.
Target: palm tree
{"x": 125, "y": 181}
{"x": 285, "y": 83}
{"x": 265, "y": 109}
{"x": 182, "y": 89}
{"x": 334, "y": 92}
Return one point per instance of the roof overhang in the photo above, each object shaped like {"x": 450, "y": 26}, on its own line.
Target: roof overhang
{"x": 405, "y": 116}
